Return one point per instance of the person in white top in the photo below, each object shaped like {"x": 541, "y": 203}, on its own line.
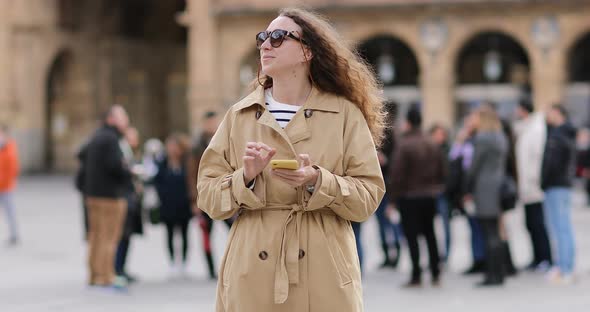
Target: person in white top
{"x": 531, "y": 135}
{"x": 283, "y": 113}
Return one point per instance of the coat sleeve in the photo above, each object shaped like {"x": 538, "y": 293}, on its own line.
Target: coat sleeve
{"x": 397, "y": 172}
{"x": 357, "y": 193}
{"x": 476, "y": 163}
{"x": 221, "y": 188}
{"x": 114, "y": 162}
{"x": 13, "y": 165}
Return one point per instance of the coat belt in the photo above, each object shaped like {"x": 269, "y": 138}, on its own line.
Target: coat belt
{"x": 287, "y": 266}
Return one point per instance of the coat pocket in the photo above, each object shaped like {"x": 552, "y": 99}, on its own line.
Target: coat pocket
{"x": 339, "y": 261}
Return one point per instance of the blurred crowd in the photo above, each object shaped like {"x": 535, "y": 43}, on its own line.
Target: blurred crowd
{"x": 482, "y": 174}
{"x": 123, "y": 184}
{"x": 488, "y": 168}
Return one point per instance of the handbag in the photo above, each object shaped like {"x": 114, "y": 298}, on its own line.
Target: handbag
{"x": 508, "y": 193}
{"x": 151, "y": 202}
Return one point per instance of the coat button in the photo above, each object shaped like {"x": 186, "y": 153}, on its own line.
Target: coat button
{"x": 263, "y": 255}
{"x": 301, "y": 253}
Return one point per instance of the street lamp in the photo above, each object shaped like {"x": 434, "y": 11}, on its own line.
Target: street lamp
{"x": 433, "y": 34}
{"x": 545, "y": 32}
{"x": 492, "y": 66}
{"x": 386, "y": 69}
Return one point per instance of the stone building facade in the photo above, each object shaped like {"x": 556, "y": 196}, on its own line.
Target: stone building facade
{"x": 62, "y": 62}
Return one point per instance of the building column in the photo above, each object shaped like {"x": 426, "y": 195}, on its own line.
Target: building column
{"x": 548, "y": 77}
{"x": 437, "y": 87}
{"x": 203, "y": 87}
{"x": 6, "y": 69}
{"x": 31, "y": 22}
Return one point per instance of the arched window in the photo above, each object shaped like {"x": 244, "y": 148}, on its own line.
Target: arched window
{"x": 491, "y": 67}
{"x": 396, "y": 67}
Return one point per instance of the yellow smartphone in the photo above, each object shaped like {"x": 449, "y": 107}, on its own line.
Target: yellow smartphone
{"x": 284, "y": 164}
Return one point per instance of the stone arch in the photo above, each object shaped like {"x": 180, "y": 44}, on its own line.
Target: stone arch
{"x": 474, "y": 50}
{"x": 579, "y": 63}
{"x": 577, "y": 94}
{"x": 383, "y": 50}
{"x": 397, "y": 67}
{"x": 62, "y": 116}
{"x": 493, "y": 66}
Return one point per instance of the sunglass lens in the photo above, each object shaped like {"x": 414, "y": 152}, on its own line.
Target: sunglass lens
{"x": 277, "y": 37}
{"x": 260, "y": 38}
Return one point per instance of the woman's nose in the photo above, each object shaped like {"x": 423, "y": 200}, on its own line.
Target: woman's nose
{"x": 266, "y": 44}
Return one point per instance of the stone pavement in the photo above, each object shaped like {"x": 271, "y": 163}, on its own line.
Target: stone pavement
{"x": 47, "y": 271}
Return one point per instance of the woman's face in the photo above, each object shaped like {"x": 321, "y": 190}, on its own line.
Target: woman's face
{"x": 172, "y": 149}
{"x": 473, "y": 121}
{"x": 288, "y": 56}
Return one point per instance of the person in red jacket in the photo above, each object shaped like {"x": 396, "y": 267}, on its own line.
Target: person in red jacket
{"x": 9, "y": 168}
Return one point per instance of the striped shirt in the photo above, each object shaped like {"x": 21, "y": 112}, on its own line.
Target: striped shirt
{"x": 283, "y": 113}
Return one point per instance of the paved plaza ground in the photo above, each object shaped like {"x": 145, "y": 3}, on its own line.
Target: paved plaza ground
{"x": 47, "y": 271}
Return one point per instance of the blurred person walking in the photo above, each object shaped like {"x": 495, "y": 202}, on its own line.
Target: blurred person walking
{"x": 389, "y": 232}
{"x": 557, "y": 179}
{"x": 416, "y": 179}
{"x": 583, "y": 159}
{"x": 484, "y": 181}
{"x": 210, "y": 125}
{"x": 508, "y": 194}
{"x": 134, "y": 220}
{"x": 460, "y": 160}
{"x": 171, "y": 184}
{"x": 9, "y": 171}
{"x": 106, "y": 186}
{"x": 531, "y": 136}
{"x": 292, "y": 247}
{"x": 440, "y": 136}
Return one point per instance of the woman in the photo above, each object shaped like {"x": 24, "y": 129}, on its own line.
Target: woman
{"x": 292, "y": 247}
{"x": 172, "y": 187}
{"x": 511, "y": 172}
{"x": 484, "y": 180}
{"x": 134, "y": 219}
{"x": 460, "y": 159}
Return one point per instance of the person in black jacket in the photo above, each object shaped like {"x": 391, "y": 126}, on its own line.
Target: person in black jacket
{"x": 172, "y": 183}
{"x": 105, "y": 187}
{"x": 559, "y": 165}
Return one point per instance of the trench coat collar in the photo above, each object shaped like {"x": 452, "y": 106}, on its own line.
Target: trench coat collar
{"x": 317, "y": 100}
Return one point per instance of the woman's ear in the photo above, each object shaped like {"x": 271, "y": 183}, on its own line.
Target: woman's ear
{"x": 307, "y": 54}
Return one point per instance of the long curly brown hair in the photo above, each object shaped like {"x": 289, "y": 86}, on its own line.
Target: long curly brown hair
{"x": 336, "y": 68}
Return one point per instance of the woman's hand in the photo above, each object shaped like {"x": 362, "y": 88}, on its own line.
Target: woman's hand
{"x": 467, "y": 198}
{"x": 305, "y": 175}
{"x": 254, "y": 161}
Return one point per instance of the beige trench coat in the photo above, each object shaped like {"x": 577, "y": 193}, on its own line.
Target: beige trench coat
{"x": 290, "y": 250}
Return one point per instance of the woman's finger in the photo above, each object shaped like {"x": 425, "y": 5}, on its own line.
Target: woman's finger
{"x": 270, "y": 155}
{"x": 264, "y": 147}
{"x": 283, "y": 175}
{"x": 251, "y": 152}
{"x": 253, "y": 145}
{"x": 290, "y": 173}
{"x": 305, "y": 160}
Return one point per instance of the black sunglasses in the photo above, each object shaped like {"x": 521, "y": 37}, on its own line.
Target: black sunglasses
{"x": 276, "y": 36}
